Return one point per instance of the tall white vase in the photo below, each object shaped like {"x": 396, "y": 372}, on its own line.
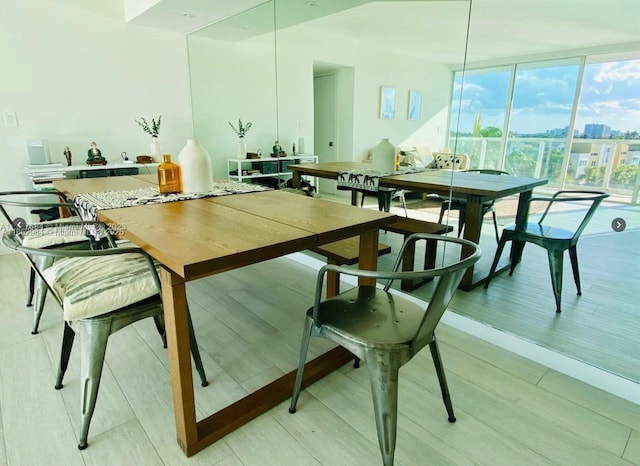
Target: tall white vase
{"x": 195, "y": 168}
{"x": 155, "y": 151}
{"x": 383, "y": 156}
{"x": 242, "y": 149}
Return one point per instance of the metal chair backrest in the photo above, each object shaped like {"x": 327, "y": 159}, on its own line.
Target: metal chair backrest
{"x": 581, "y": 196}
{"x": 447, "y": 278}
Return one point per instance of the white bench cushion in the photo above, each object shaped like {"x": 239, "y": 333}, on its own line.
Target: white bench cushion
{"x": 39, "y": 238}
{"x": 91, "y": 286}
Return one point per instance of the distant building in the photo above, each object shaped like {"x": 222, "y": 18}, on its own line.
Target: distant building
{"x": 597, "y": 131}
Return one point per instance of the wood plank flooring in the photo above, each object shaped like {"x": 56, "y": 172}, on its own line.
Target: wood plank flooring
{"x": 600, "y": 328}
{"x": 510, "y": 410}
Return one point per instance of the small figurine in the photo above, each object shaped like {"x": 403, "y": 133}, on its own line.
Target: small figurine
{"x": 277, "y": 150}
{"x": 94, "y": 156}
{"x": 67, "y": 155}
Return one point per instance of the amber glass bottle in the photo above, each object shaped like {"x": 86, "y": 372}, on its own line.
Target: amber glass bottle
{"x": 168, "y": 176}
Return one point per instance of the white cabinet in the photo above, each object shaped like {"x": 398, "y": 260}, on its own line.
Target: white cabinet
{"x": 248, "y": 170}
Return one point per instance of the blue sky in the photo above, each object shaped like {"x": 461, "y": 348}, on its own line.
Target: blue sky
{"x": 543, "y": 97}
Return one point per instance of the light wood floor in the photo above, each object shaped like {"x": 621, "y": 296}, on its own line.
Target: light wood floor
{"x": 601, "y": 327}
{"x": 510, "y": 410}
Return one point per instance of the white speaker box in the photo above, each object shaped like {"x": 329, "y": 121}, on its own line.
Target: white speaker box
{"x": 38, "y": 151}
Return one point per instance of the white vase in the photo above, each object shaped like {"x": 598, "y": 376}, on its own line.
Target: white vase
{"x": 242, "y": 149}
{"x": 383, "y": 156}
{"x": 195, "y": 168}
{"x": 155, "y": 151}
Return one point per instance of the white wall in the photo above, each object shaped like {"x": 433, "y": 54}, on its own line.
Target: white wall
{"x": 73, "y": 76}
{"x": 233, "y": 81}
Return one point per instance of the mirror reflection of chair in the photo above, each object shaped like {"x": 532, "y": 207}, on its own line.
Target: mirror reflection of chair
{"x": 461, "y": 205}
{"x": 60, "y": 232}
{"x": 100, "y": 292}
{"x": 552, "y": 238}
{"x": 385, "y": 330}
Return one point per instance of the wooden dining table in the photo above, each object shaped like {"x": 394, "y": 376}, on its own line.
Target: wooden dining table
{"x": 474, "y": 188}
{"x": 196, "y": 238}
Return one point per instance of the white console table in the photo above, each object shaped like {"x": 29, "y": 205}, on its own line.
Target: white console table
{"x": 41, "y": 177}
{"x": 247, "y": 170}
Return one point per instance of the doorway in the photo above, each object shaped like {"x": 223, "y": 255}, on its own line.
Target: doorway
{"x": 324, "y": 128}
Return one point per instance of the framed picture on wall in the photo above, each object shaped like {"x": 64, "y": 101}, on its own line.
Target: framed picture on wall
{"x": 387, "y": 102}
{"x": 415, "y": 105}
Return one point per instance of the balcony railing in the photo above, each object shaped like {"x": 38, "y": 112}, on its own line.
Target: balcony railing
{"x": 611, "y": 165}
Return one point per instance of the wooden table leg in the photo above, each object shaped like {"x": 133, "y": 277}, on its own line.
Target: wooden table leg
{"x": 174, "y": 298}
{"x": 368, "y": 256}
{"x": 295, "y": 179}
{"x": 522, "y": 214}
{"x": 472, "y": 227}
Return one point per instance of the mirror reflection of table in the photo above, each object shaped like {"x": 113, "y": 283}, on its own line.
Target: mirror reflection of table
{"x": 474, "y": 188}
{"x": 185, "y": 237}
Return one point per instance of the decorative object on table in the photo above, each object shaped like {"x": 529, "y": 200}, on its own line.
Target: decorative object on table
{"x": 195, "y": 168}
{"x": 125, "y": 157}
{"x": 94, "y": 156}
{"x": 168, "y": 176}
{"x": 277, "y": 151}
{"x": 253, "y": 155}
{"x": 383, "y": 156}
{"x": 144, "y": 159}
{"x": 67, "y": 155}
{"x": 387, "y": 102}
{"x": 155, "y": 151}
{"x": 241, "y": 131}
{"x": 415, "y": 105}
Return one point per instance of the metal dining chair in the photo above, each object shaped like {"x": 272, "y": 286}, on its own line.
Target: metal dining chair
{"x": 386, "y": 330}
{"x": 100, "y": 292}
{"x": 555, "y": 239}
{"x": 461, "y": 205}
{"x": 61, "y": 232}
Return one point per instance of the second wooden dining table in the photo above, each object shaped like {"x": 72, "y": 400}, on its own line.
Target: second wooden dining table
{"x": 473, "y": 188}
{"x": 202, "y": 237}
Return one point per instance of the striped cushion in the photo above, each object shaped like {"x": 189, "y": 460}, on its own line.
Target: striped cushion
{"x": 44, "y": 237}
{"x": 91, "y": 286}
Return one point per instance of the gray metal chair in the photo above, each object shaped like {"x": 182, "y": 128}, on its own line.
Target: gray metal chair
{"x": 63, "y": 231}
{"x": 554, "y": 239}
{"x": 100, "y": 292}
{"x": 385, "y": 330}
{"x": 461, "y": 205}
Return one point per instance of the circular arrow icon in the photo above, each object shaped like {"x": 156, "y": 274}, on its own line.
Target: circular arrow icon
{"x": 618, "y": 224}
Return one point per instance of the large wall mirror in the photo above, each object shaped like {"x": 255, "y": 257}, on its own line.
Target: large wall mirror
{"x": 515, "y": 85}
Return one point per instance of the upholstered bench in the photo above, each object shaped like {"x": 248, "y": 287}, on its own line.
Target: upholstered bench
{"x": 407, "y": 226}
{"x": 343, "y": 252}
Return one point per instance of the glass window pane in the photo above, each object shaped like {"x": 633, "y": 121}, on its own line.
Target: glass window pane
{"x": 477, "y": 118}
{"x": 542, "y": 103}
{"x": 606, "y": 151}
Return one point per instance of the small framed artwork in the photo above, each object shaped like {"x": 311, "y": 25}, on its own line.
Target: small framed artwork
{"x": 415, "y": 105}
{"x": 387, "y": 102}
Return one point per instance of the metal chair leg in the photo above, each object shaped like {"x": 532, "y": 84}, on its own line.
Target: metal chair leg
{"x": 195, "y": 353}
{"x": 573, "y": 255}
{"x": 444, "y": 388}
{"x": 41, "y": 296}
{"x": 555, "y": 267}
{"x": 304, "y": 347}
{"x": 496, "y": 259}
{"x": 32, "y": 284}
{"x": 383, "y": 375}
{"x": 94, "y": 336}
{"x": 67, "y": 343}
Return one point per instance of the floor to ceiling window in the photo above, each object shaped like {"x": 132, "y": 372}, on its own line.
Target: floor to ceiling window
{"x": 575, "y": 121}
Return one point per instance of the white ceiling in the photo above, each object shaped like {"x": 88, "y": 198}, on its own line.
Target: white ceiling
{"x": 499, "y": 28}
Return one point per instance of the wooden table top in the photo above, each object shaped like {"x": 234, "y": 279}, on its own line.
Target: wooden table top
{"x": 463, "y": 183}
{"x": 433, "y": 181}
{"x": 194, "y": 237}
